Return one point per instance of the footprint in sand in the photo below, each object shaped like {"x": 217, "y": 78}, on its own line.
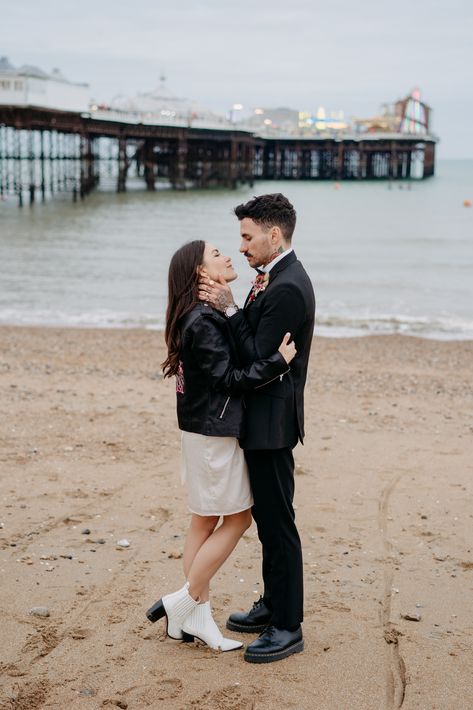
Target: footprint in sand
{"x": 120, "y": 660}
{"x": 336, "y": 606}
{"x": 80, "y": 634}
{"x": 30, "y": 695}
{"x": 168, "y": 688}
{"x": 224, "y": 600}
{"x": 12, "y": 670}
{"x": 43, "y": 641}
{"x": 229, "y": 698}
{"x": 163, "y": 689}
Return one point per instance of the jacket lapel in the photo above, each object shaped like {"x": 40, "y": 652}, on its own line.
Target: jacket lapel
{"x": 277, "y": 268}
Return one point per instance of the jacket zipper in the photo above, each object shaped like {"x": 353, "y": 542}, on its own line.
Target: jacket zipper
{"x": 274, "y": 378}
{"x": 224, "y": 408}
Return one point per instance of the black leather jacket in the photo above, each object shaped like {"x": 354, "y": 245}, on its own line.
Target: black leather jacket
{"x": 210, "y": 387}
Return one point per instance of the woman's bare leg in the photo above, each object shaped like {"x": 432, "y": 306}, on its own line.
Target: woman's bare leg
{"x": 214, "y": 551}
{"x": 200, "y": 529}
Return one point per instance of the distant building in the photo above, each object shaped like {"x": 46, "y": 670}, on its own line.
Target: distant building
{"x": 267, "y": 120}
{"x": 287, "y": 121}
{"x": 30, "y": 86}
{"x": 321, "y": 123}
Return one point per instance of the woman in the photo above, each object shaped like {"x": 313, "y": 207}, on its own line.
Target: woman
{"x": 209, "y": 390}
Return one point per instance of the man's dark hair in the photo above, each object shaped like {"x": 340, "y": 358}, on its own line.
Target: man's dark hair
{"x": 268, "y": 211}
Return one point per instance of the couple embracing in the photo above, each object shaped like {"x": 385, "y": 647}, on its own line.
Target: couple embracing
{"x": 240, "y": 376}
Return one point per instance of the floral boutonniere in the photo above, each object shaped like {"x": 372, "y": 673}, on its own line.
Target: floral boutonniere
{"x": 259, "y": 284}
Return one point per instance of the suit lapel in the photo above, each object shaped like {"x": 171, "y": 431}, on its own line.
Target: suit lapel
{"x": 247, "y": 299}
{"x": 283, "y": 264}
{"x": 277, "y": 268}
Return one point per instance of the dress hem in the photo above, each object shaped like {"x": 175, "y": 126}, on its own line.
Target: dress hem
{"x": 209, "y": 515}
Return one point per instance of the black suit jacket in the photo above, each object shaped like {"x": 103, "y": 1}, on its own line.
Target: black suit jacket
{"x": 275, "y": 411}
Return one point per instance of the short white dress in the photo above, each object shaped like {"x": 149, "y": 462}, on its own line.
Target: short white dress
{"x": 216, "y": 475}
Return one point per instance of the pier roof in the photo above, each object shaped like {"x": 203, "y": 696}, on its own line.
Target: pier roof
{"x": 160, "y": 106}
{"x": 31, "y": 70}
{"x": 6, "y": 65}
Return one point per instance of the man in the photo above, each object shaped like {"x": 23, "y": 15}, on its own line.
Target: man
{"x": 281, "y": 300}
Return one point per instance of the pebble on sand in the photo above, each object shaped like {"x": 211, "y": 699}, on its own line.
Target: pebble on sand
{"x": 123, "y": 543}
{"x": 411, "y": 617}
{"x": 118, "y": 703}
{"x": 439, "y": 557}
{"x": 42, "y": 611}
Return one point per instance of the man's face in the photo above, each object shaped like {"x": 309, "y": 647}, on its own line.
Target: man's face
{"x": 257, "y": 246}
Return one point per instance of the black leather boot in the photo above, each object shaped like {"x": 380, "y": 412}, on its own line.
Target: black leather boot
{"x": 249, "y": 622}
{"x": 274, "y": 645}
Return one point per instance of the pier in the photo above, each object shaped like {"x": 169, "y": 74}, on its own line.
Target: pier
{"x": 356, "y": 157}
{"x": 44, "y": 152}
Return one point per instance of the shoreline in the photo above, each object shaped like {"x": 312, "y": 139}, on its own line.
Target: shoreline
{"x": 160, "y": 329}
{"x": 384, "y": 492}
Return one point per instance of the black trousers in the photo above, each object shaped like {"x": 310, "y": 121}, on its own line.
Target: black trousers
{"x": 272, "y": 481}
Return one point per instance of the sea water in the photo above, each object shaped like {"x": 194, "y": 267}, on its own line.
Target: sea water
{"x": 384, "y": 257}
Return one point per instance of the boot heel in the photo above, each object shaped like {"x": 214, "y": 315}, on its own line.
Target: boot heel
{"x": 157, "y": 611}
{"x": 188, "y": 638}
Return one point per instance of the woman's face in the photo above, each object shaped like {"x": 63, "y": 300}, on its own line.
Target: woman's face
{"x": 216, "y": 263}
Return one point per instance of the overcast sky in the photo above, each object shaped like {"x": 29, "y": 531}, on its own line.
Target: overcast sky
{"x": 303, "y": 54}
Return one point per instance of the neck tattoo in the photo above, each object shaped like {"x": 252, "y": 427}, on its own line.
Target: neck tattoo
{"x": 274, "y": 255}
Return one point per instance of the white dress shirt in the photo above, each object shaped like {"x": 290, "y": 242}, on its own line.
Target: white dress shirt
{"x": 266, "y": 269}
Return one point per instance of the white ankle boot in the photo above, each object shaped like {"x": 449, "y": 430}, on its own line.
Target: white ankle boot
{"x": 200, "y": 624}
{"x": 176, "y": 607}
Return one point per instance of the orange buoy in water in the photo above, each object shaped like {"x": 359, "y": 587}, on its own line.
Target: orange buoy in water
{"x": 337, "y": 186}
{"x": 466, "y": 203}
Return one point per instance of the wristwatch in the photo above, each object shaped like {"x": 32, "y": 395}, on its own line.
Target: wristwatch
{"x": 230, "y": 310}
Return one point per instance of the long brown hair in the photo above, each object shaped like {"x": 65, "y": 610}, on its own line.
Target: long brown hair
{"x": 183, "y": 279}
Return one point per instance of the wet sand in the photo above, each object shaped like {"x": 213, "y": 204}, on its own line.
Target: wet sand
{"x": 384, "y": 492}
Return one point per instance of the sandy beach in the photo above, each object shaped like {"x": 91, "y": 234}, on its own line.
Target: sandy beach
{"x": 89, "y": 456}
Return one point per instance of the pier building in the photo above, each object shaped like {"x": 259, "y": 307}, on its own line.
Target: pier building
{"x": 31, "y": 86}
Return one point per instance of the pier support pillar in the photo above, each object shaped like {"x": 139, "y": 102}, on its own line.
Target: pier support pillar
{"x": 149, "y": 167}
{"x": 250, "y": 164}
{"x": 122, "y": 165}
{"x": 232, "y": 172}
{"x": 42, "y": 159}
{"x": 18, "y": 171}
{"x": 429, "y": 160}
{"x": 339, "y": 171}
{"x": 177, "y": 168}
{"x": 393, "y": 161}
{"x": 87, "y": 174}
{"x": 408, "y": 164}
{"x": 277, "y": 163}
{"x": 31, "y": 159}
